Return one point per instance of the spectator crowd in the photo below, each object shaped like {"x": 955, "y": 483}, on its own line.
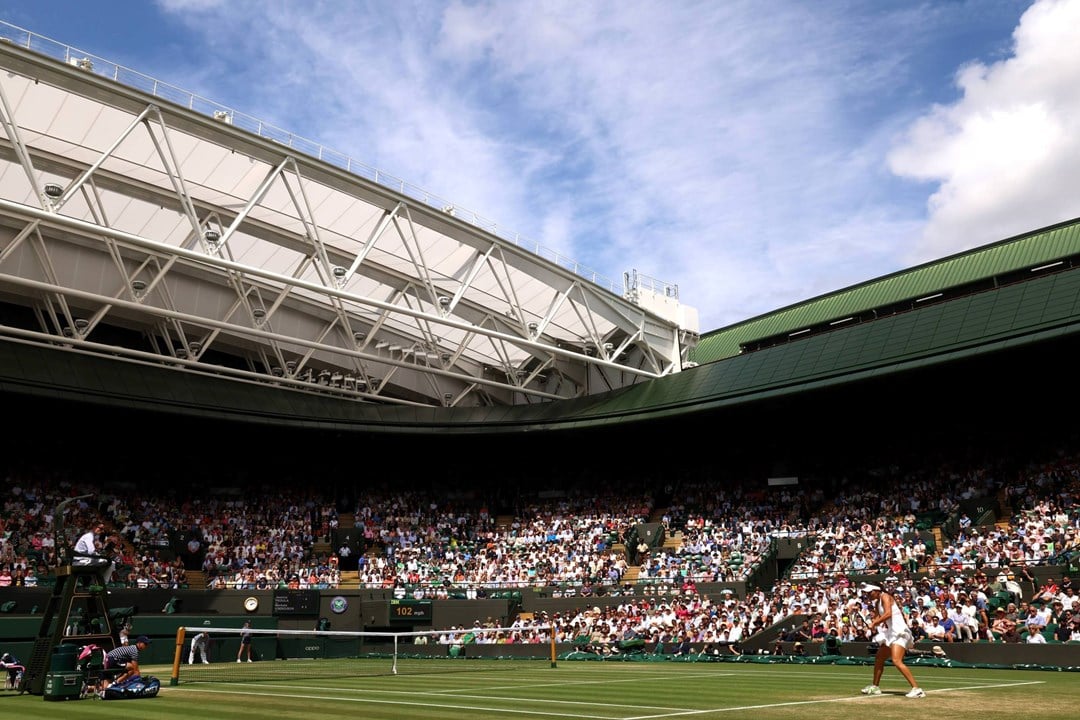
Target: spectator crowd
{"x": 977, "y": 585}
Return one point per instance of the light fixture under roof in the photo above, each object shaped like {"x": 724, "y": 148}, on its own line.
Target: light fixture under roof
{"x": 258, "y": 313}
{"x": 53, "y": 190}
{"x": 138, "y": 285}
{"x": 339, "y": 272}
{"x": 212, "y": 236}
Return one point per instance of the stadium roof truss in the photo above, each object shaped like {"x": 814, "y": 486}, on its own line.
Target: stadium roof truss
{"x": 135, "y": 227}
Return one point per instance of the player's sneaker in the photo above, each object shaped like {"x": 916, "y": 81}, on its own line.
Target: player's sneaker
{"x": 871, "y": 690}
{"x": 916, "y": 693}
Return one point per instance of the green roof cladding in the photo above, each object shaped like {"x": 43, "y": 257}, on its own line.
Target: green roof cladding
{"x": 982, "y": 263}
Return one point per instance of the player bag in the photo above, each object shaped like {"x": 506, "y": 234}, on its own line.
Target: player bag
{"x": 134, "y": 688}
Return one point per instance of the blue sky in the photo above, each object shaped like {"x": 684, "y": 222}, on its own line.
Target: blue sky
{"x": 755, "y": 153}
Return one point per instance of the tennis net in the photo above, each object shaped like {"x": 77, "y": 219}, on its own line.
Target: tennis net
{"x": 219, "y": 654}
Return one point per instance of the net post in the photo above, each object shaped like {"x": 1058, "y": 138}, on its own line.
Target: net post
{"x": 394, "y": 669}
{"x": 174, "y": 679}
{"x": 551, "y": 628}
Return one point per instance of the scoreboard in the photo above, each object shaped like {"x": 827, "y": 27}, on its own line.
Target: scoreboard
{"x": 296, "y": 602}
{"x": 411, "y": 612}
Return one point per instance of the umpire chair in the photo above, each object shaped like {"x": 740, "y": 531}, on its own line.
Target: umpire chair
{"x": 78, "y": 611}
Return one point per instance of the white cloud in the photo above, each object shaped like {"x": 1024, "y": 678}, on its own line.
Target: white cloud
{"x": 1004, "y": 155}
{"x": 743, "y": 155}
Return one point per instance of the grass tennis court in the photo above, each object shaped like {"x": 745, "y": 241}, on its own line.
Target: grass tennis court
{"x": 473, "y": 689}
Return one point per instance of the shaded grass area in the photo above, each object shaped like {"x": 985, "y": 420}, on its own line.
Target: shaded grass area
{"x": 594, "y": 691}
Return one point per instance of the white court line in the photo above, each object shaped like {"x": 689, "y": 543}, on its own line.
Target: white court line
{"x": 504, "y": 698}
{"x": 860, "y": 698}
{"x": 991, "y": 686}
{"x": 675, "y": 713}
{"x": 525, "y": 686}
{"x": 924, "y": 679}
{"x": 456, "y": 692}
{"x": 477, "y": 708}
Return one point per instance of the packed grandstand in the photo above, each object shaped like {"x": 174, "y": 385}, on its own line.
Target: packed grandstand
{"x": 984, "y": 579}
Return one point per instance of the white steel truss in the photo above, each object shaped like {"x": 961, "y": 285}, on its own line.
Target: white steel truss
{"x": 143, "y": 230}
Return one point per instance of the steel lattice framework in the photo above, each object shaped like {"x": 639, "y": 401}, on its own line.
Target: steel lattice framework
{"x": 137, "y": 225}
